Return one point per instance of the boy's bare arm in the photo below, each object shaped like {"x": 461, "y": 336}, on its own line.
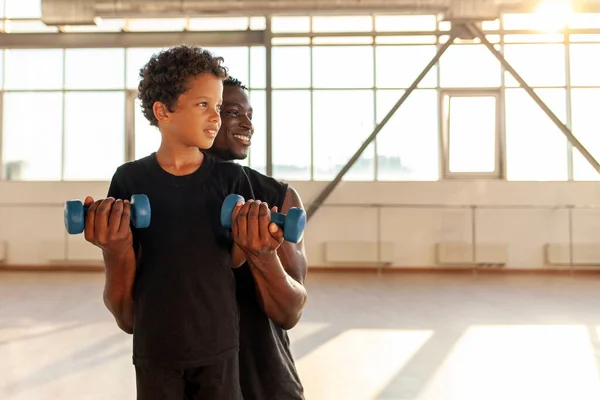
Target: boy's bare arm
{"x": 107, "y": 226}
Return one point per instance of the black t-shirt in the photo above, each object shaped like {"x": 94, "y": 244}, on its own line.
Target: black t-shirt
{"x": 267, "y": 369}
{"x": 184, "y": 291}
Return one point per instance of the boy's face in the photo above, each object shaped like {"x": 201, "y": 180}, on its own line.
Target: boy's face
{"x": 195, "y": 120}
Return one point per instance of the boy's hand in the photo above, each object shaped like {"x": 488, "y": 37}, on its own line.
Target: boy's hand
{"x": 253, "y": 230}
{"x": 107, "y": 224}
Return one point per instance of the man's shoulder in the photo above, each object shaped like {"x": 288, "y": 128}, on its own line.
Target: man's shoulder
{"x": 266, "y": 188}
{"x": 223, "y": 167}
{"x": 259, "y": 176}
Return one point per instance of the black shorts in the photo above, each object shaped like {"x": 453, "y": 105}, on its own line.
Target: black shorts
{"x": 219, "y": 381}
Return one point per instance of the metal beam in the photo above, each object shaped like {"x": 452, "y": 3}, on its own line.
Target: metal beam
{"x": 564, "y": 129}
{"x": 130, "y": 39}
{"x": 316, "y": 204}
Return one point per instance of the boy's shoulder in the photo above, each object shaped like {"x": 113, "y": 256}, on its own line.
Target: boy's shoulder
{"x": 130, "y": 168}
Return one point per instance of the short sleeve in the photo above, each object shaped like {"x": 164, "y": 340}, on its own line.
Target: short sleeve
{"x": 117, "y": 189}
{"x": 117, "y": 186}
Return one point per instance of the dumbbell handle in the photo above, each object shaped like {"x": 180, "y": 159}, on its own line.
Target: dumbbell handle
{"x": 278, "y": 219}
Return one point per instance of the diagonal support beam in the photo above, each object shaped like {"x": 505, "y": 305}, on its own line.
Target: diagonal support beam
{"x": 564, "y": 129}
{"x": 316, "y": 204}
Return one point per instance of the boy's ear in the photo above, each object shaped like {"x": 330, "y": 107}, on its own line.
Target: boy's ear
{"x": 161, "y": 112}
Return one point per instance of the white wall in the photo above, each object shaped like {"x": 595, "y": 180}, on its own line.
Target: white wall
{"x": 31, "y": 218}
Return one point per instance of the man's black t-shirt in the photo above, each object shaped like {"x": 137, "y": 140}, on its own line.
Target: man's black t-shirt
{"x": 184, "y": 292}
{"x": 267, "y": 369}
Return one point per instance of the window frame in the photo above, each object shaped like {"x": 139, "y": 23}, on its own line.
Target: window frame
{"x": 444, "y": 101}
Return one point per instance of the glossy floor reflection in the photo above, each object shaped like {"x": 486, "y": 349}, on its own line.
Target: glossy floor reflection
{"x": 399, "y": 336}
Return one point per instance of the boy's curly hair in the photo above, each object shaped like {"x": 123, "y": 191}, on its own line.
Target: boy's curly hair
{"x": 164, "y": 78}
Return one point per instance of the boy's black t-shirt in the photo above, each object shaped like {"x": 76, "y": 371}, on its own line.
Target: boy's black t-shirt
{"x": 185, "y": 312}
{"x": 267, "y": 369}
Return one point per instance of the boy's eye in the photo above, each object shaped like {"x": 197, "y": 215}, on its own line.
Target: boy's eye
{"x": 203, "y": 104}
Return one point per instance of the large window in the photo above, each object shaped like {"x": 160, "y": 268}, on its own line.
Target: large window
{"x": 94, "y": 68}
{"x": 399, "y": 66}
{"x": 333, "y": 79}
{"x": 585, "y": 104}
{"x": 342, "y": 66}
{"x": 536, "y": 150}
{"x": 94, "y": 134}
{"x": 34, "y": 69}
{"x": 469, "y": 66}
{"x": 32, "y": 136}
{"x": 407, "y": 146}
{"x": 292, "y": 134}
{"x": 537, "y": 64}
{"x": 343, "y": 119}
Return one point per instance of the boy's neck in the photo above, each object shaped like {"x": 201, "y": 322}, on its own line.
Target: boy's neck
{"x": 179, "y": 161}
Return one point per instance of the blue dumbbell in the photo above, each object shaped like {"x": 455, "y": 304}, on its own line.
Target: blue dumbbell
{"x": 75, "y": 214}
{"x": 293, "y": 223}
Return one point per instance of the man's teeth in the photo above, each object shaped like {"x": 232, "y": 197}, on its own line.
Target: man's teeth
{"x": 244, "y": 138}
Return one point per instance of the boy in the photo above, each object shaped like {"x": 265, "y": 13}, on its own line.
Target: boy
{"x": 175, "y": 276}
{"x": 270, "y": 290}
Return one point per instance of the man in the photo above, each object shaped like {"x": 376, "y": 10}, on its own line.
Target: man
{"x": 270, "y": 291}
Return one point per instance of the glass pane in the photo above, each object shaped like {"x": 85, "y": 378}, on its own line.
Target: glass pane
{"x": 102, "y": 25}
{"x": 343, "y": 67}
{"x": 585, "y": 112}
{"x": 23, "y": 8}
{"x": 147, "y": 137}
{"x": 535, "y": 38}
{"x": 258, "y": 23}
{"x": 258, "y": 150}
{"x": 403, "y": 23}
{"x": 327, "y": 40}
{"x": 528, "y": 128}
{"x": 549, "y": 17}
{"x": 285, "y": 41}
{"x": 538, "y": 64}
{"x": 291, "y": 134}
{"x": 584, "y": 21}
{"x": 404, "y": 39}
{"x": 94, "y": 68}
{"x": 469, "y": 66}
{"x": 584, "y": 38}
{"x": 337, "y": 137}
{"x": 472, "y": 134}
{"x": 236, "y": 60}
{"x": 31, "y": 26}
{"x": 23, "y": 69}
{"x": 136, "y": 59}
{"x": 218, "y": 24}
{"x": 399, "y": 66}
{"x": 258, "y": 69}
{"x": 290, "y": 67}
{"x": 290, "y": 24}
{"x": 585, "y": 64}
{"x": 94, "y": 119}
{"x": 353, "y": 23}
{"x": 32, "y": 147}
{"x": 408, "y": 145}
{"x": 155, "y": 25}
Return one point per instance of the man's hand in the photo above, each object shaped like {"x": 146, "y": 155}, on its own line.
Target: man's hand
{"x": 252, "y": 229}
{"x": 107, "y": 225}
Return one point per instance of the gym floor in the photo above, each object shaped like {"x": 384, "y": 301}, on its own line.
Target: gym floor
{"x": 397, "y": 336}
